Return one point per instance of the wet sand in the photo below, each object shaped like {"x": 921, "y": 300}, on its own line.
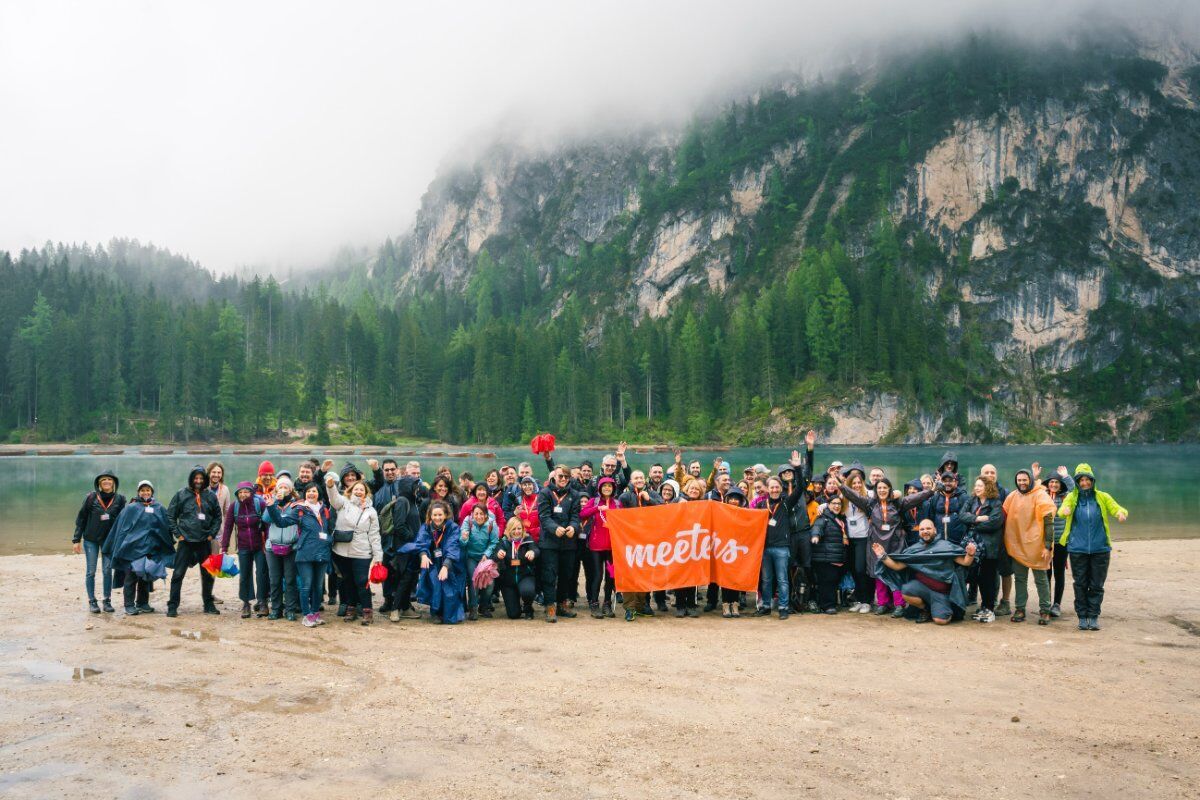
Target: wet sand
{"x": 847, "y": 706}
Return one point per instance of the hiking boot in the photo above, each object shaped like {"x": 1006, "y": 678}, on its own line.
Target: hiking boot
{"x": 290, "y": 616}
{"x": 727, "y": 610}
{"x": 274, "y": 615}
{"x": 596, "y": 612}
{"x": 172, "y": 611}
{"x": 108, "y": 606}
{"x": 486, "y": 613}
{"x": 783, "y": 613}
{"x": 527, "y": 613}
{"x": 551, "y": 613}
{"x": 661, "y": 604}
{"x": 564, "y": 610}
{"x": 680, "y": 613}
{"x": 648, "y": 611}
{"x": 898, "y": 613}
{"x": 630, "y": 615}
{"x": 1093, "y": 623}
{"x": 341, "y": 612}
{"x": 211, "y": 609}
{"x": 693, "y": 612}
{"x": 472, "y": 615}
{"x": 260, "y": 610}
{"x": 394, "y": 615}
{"x": 351, "y": 614}
{"x": 1018, "y": 615}
{"x": 368, "y": 615}
{"x": 93, "y": 607}
{"x": 882, "y": 611}
{"x": 813, "y": 608}
{"x": 1004, "y": 609}
{"x": 131, "y": 611}
{"x": 924, "y": 616}
{"x": 245, "y": 611}
{"x": 608, "y": 610}
{"x": 1043, "y": 618}
{"x": 735, "y": 610}
{"x": 1056, "y": 610}
{"x": 710, "y": 607}
{"x": 1085, "y": 623}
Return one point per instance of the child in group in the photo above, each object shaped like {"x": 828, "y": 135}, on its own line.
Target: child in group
{"x": 516, "y": 560}
{"x": 479, "y": 537}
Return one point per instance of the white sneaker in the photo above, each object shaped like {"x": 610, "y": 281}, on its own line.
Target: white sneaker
{"x": 864, "y": 608}
{"x": 855, "y": 607}
{"x": 978, "y": 614}
{"x": 987, "y": 616}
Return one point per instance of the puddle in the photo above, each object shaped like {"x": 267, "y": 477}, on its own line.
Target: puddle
{"x": 195, "y": 636}
{"x": 301, "y": 704}
{"x": 54, "y": 671}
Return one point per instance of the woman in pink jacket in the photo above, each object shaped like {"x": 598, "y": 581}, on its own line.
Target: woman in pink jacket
{"x": 600, "y": 546}
{"x": 481, "y": 494}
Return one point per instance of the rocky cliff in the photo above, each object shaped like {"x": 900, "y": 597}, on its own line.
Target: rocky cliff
{"x": 1051, "y": 225}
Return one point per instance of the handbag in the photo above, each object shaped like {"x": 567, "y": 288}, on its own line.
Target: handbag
{"x": 281, "y": 549}
{"x": 342, "y": 537}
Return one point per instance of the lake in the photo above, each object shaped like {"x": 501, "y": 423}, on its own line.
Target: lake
{"x": 41, "y": 494}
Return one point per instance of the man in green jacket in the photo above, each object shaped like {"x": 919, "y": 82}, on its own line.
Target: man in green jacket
{"x": 1088, "y": 542}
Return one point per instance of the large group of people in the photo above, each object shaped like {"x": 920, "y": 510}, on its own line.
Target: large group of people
{"x": 846, "y": 539}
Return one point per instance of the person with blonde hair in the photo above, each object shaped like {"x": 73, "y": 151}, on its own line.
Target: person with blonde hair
{"x": 356, "y": 546}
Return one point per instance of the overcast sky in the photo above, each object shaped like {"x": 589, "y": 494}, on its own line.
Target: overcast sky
{"x": 270, "y": 133}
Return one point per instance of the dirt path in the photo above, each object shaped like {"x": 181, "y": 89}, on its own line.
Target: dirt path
{"x": 847, "y": 706}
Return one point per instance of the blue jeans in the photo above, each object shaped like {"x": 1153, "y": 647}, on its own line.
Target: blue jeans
{"x": 310, "y": 577}
{"x": 282, "y": 571}
{"x": 91, "y": 550}
{"x": 774, "y": 577}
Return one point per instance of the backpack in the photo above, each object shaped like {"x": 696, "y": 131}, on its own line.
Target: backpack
{"x": 258, "y": 506}
{"x": 385, "y": 517}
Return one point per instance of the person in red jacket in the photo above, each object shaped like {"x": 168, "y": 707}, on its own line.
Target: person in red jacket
{"x": 600, "y": 546}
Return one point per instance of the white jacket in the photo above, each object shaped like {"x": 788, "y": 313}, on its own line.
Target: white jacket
{"x": 365, "y": 524}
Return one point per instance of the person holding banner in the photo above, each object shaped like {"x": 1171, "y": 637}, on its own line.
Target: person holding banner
{"x": 558, "y": 514}
{"x": 636, "y": 496}
{"x": 777, "y": 552}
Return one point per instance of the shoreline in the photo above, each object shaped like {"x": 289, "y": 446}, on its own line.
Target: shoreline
{"x": 107, "y": 705}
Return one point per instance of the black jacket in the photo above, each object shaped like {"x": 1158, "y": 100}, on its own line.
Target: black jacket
{"x": 509, "y": 575}
{"x": 97, "y": 515}
{"x": 194, "y": 516}
{"x": 782, "y": 513}
{"x": 830, "y": 531}
{"x": 944, "y": 510}
{"x": 630, "y": 498}
{"x": 550, "y": 498}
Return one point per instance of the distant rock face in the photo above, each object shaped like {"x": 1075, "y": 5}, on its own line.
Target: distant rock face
{"x": 1118, "y": 169}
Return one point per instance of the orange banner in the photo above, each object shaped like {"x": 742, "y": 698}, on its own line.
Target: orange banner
{"x": 676, "y": 545}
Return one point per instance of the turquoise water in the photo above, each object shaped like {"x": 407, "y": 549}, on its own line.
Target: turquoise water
{"x": 41, "y": 494}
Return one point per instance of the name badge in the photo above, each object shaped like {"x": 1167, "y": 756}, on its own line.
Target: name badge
{"x": 885, "y": 527}
{"x": 149, "y": 510}
{"x": 558, "y": 510}
{"x": 104, "y": 517}
{"x": 323, "y": 535}
{"x": 437, "y": 553}
{"x": 771, "y": 522}
{"x": 946, "y": 519}
{"x": 200, "y": 516}
{"x": 516, "y": 562}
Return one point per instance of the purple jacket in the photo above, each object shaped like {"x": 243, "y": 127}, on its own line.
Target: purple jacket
{"x": 251, "y": 522}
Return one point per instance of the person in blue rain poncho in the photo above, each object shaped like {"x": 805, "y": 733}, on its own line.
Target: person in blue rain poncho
{"x": 140, "y": 534}
{"x": 443, "y": 575}
{"x": 929, "y": 574}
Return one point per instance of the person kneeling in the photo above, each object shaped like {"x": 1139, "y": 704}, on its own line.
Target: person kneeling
{"x": 928, "y": 574}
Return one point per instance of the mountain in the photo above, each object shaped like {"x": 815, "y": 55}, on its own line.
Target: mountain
{"x": 986, "y": 241}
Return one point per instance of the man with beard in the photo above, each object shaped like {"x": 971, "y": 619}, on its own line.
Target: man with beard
{"x": 194, "y": 518}
{"x": 1028, "y": 537}
{"x": 929, "y": 574}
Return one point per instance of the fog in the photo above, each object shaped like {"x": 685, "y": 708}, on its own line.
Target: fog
{"x": 270, "y": 133}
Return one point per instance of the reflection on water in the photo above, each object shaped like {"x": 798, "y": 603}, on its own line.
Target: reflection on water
{"x": 1149, "y": 480}
{"x": 36, "y": 670}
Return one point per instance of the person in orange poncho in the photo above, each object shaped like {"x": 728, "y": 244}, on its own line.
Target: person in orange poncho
{"x": 1028, "y": 537}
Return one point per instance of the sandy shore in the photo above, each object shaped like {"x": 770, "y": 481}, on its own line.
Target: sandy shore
{"x": 846, "y": 706}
